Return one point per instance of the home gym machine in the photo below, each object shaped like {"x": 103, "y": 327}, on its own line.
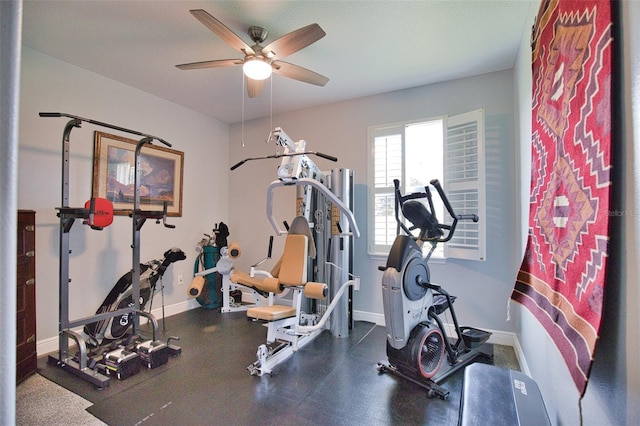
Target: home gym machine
{"x": 311, "y": 204}
{"x": 98, "y": 213}
{"x": 317, "y": 250}
{"x": 416, "y": 337}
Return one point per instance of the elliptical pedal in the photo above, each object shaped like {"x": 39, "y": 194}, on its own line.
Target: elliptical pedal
{"x": 474, "y": 337}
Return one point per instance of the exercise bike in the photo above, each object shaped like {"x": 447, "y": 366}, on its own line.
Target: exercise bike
{"x": 416, "y": 337}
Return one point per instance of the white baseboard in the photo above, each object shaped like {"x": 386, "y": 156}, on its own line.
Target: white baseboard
{"x": 49, "y": 345}
{"x": 176, "y": 308}
{"x": 377, "y": 319}
{"x": 524, "y": 367}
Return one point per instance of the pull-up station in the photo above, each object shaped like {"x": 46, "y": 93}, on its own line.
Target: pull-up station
{"x": 98, "y": 214}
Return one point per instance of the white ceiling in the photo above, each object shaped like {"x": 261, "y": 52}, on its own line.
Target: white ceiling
{"x": 371, "y": 47}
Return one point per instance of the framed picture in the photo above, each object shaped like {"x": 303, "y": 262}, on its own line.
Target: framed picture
{"x": 114, "y": 174}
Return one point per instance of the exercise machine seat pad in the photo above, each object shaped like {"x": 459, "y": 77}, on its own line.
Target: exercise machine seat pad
{"x": 267, "y": 284}
{"x": 234, "y": 251}
{"x": 293, "y": 269}
{"x": 316, "y": 291}
{"x": 499, "y": 396}
{"x": 293, "y": 273}
{"x": 196, "y": 286}
{"x": 300, "y": 225}
{"x": 271, "y": 313}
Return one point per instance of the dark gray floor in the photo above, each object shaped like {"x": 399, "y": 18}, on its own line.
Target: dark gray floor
{"x": 328, "y": 382}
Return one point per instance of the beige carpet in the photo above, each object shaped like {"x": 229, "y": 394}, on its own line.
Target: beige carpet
{"x": 41, "y": 402}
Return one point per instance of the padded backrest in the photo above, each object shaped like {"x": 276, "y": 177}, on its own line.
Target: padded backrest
{"x": 293, "y": 269}
{"x": 300, "y": 225}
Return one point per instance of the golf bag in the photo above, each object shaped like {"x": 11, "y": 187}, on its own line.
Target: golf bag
{"x": 211, "y": 294}
{"x": 121, "y": 296}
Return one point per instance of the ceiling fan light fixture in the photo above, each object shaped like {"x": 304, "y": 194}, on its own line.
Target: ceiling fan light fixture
{"x": 258, "y": 61}
{"x": 256, "y": 69}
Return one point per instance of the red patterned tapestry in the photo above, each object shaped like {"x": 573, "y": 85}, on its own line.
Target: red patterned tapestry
{"x": 562, "y": 277}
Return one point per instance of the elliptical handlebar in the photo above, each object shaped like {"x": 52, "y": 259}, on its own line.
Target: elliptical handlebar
{"x": 434, "y": 234}
{"x": 399, "y": 200}
{"x": 447, "y": 204}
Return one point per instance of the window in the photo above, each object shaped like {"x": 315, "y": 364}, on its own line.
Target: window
{"x": 449, "y": 149}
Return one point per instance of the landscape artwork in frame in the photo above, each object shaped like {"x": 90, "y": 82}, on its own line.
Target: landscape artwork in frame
{"x": 114, "y": 174}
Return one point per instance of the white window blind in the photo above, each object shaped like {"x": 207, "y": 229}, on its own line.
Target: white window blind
{"x": 448, "y": 149}
{"x": 387, "y": 166}
{"x": 464, "y": 183}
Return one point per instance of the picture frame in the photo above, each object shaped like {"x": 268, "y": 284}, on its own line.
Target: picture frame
{"x": 114, "y": 173}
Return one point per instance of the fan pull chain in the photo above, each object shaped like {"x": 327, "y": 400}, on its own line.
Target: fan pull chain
{"x": 270, "y": 134}
{"x": 242, "y": 131}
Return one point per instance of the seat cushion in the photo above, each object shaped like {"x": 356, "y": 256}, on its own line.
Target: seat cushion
{"x": 264, "y": 285}
{"x": 271, "y": 313}
{"x": 293, "y": 270}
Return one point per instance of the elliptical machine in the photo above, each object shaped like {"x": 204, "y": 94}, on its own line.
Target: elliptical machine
{"x": 416, "y": 336}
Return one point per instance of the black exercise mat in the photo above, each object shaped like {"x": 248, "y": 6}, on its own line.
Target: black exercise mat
{"x": 189, "y": 326}
{"x": 214, "y": 387}
{"x": 329, "y": 381}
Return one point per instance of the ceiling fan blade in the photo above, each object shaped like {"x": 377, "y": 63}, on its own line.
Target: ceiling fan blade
{"x": 210, "y": 64}
{"x": 254, "y": 87}
{"x": 222, "y": 31}
{"x": 298, "y": 73}
{"x": 294, "y": 41}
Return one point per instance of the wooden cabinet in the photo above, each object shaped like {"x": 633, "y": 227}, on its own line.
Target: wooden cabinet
{"x": 26, "y": 356}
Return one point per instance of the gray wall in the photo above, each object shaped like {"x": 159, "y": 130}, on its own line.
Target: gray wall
{"x": 99, "y": 258}
{"x": 341, "y": 130}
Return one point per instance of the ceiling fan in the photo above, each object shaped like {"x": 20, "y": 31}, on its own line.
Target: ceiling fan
{"x": 259, "y": 61}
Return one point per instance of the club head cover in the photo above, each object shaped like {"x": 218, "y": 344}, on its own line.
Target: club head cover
{"x": 174, "y": 254}
{"x": 221, "y": 235}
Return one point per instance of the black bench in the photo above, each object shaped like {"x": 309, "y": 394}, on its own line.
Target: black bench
{"x": 498, "y": 396}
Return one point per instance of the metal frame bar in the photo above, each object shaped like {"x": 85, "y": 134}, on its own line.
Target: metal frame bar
{"x": 321, "y": 188}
